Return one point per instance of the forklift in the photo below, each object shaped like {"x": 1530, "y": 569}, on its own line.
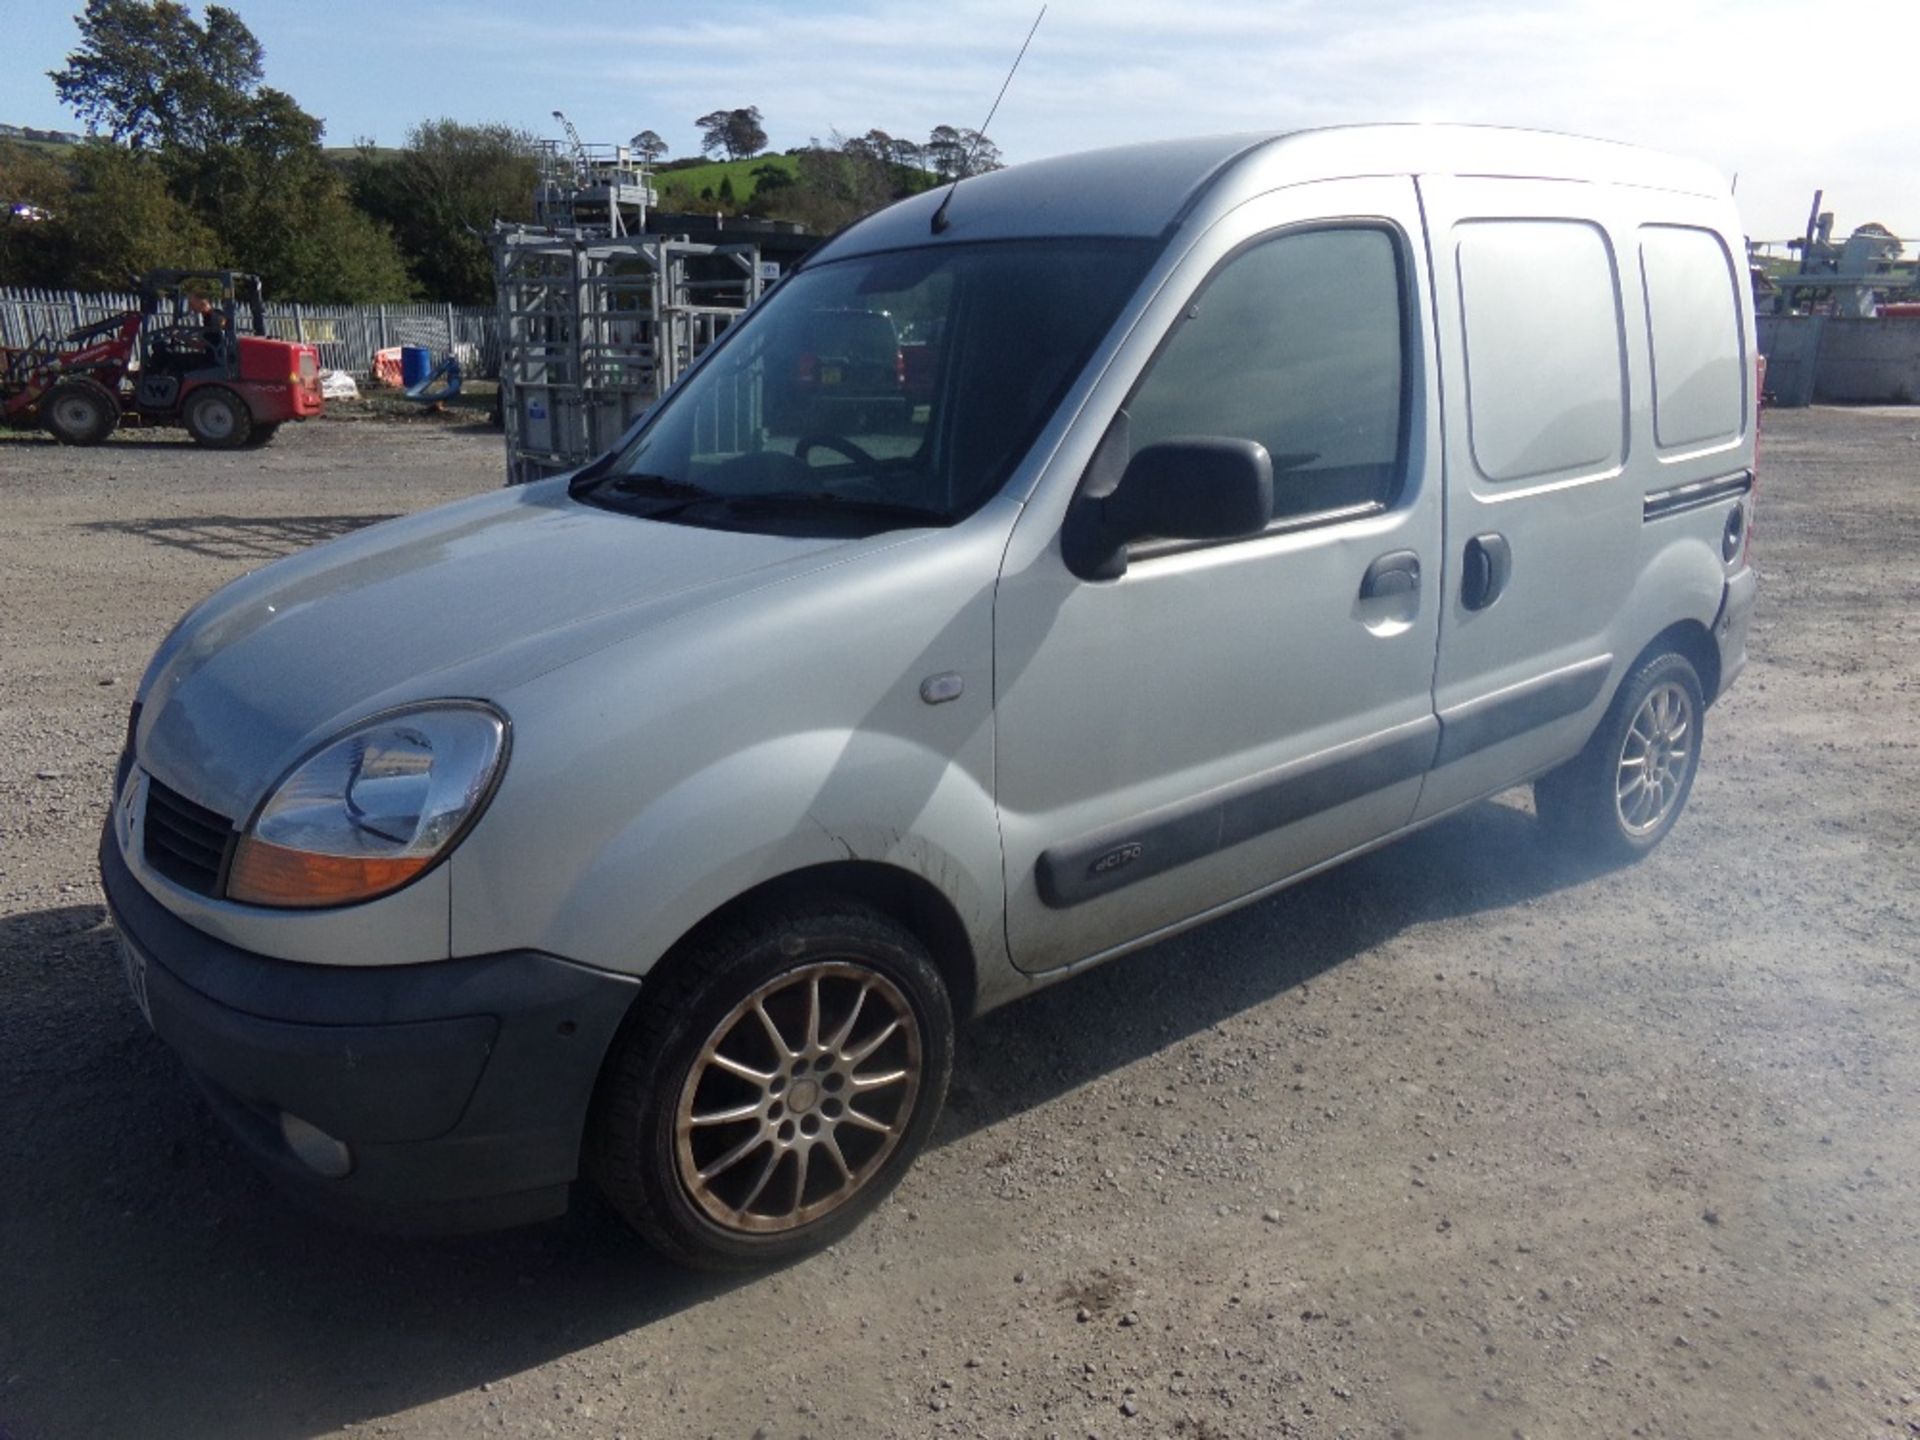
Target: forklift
{"x": 179, "y": 359}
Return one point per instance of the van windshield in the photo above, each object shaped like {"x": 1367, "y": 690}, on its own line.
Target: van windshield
{"x": 879, "y": 392}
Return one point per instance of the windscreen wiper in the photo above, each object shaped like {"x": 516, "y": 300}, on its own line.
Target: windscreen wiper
{"x": 662, "y": 485}
{"x": 620, "y": 491}
{"x": 840, "y": 504}
{"x": 633, "y": 494}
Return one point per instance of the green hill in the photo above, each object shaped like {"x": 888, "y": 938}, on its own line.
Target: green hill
{"x": 680, "y": 189}
{"x": 56, "y": 147}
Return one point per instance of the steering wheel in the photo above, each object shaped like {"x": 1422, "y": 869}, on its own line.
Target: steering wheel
{"x": 184, "y": 339}
{"x": 837, "y": 443}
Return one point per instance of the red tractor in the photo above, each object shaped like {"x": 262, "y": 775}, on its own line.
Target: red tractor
{"x": 177, "y": 360}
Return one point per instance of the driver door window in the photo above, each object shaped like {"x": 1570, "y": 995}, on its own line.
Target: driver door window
{"x": 1297, "y": 342}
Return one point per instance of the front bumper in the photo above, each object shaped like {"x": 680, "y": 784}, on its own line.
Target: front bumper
{"x": 460, "y": 1088}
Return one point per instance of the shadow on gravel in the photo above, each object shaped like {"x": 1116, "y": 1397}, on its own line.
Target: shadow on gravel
{"x": 151, "y": 1284}
{"x": 1487, "y": 858}
{"x": 237, "y": 537}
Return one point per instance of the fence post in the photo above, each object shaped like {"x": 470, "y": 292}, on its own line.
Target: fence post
{"x": 299, "y": 324}
{"x": 383, "y": 327}
{"x": 449, "y": 328}
{"x": 77, "y": 321}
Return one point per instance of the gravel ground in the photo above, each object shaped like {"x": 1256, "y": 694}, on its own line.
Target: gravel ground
{"x": 1458, "y": 1141}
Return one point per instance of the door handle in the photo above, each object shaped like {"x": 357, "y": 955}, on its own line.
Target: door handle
{"x": 1488, "y": 565}
{"x": 1395, "y": 573}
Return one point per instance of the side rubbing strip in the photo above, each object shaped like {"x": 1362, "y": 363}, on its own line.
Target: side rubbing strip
{"x": 1094, "y": 865}
{"x": 1520, "y": 708}
{"x": 1662, "y": 503}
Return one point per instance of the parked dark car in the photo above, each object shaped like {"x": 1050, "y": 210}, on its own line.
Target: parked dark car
{"x": 850, "y": 377}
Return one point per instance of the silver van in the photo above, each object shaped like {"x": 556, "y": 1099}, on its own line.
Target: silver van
{"x": 1255, "y": 500}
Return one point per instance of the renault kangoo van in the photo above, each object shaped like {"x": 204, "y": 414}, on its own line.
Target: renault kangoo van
{"x": 1258, "y": 500}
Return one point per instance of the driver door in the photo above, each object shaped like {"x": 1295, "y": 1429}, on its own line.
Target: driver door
{"x": 1225, "y": 715}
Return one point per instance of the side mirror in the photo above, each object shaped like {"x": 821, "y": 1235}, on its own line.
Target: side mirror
{"x": 1190, "y": 488}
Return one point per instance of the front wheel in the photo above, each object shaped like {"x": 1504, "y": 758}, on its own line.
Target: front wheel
{"x": 79, "y": 411}
{"x": 774, "y": 1086}
{"x": 217, "y": 418}
{"x": 1620, "y": 796}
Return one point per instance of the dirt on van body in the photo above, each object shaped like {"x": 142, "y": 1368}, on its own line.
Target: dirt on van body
{"x": 1461, "y": 1140}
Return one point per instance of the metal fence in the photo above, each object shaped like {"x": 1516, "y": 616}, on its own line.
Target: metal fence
{"x": 347, "y": 335}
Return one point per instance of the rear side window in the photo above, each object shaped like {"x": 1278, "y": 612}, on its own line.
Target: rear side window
{"x": 1296, "y": 342}
{"x": 1546, "y": 379}
{"x": 1693, "y": 327}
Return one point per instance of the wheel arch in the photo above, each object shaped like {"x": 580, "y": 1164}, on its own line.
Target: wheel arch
{"x": 910, "y": 900}
{"x": 1691, "y": 640}
{"x": 907, "y": 898}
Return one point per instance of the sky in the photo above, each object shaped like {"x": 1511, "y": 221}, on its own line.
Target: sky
{"x": 1757, "y": 88}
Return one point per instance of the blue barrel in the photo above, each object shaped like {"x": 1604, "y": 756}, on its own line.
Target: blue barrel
{"x": 416, "y": 364}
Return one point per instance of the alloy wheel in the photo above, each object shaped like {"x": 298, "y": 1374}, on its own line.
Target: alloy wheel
{"x": 1655, "y": 759}
{"x": 797, "y": 1097}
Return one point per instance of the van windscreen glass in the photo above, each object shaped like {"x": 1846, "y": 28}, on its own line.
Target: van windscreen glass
{"x": 876, "y": 392}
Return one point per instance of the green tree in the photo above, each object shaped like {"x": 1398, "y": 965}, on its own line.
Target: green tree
{"x": 442, "y": 192}
{"x": 840, "y": 181}
{"x": 35, "y": 191}
{"x": 768, "y": 180}
{"x": 149, "y": 75}
{"x": 737, "y": 134}
{"x": 950, "y": 153}
{"x": 835, "y": 183}
{"x": 242, "y": 158}
{"x": 648, "y": 147}
{"x": 116, "y": 219}
{"x": 944, "y": 151}
{"x": 981, "y": 154}
{"x": 334, "y": 253}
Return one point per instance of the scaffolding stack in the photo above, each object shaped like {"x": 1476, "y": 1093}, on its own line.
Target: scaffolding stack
{"x": 590, "y": 187}
{"x": 594, "y": 327}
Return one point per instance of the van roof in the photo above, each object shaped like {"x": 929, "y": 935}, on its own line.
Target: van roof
{"x": 1149, "y": 189}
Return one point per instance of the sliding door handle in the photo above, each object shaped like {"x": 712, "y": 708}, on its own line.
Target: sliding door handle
{"x": 1485, "y": 570}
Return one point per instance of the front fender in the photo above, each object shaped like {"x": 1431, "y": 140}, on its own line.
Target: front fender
{"x": 653, "y": 783}
{"x": 767, "y": 811}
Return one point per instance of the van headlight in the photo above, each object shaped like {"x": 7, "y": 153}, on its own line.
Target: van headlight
{"x": 371, "y": 809}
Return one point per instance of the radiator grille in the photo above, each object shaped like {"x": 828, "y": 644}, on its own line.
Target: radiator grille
{"x": 187, "y": 843}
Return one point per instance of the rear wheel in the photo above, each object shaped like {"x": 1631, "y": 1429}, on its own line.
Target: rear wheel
{"x": 218, "y": 418}
{"x": 774, "y": 1086}
{"x": 79, "y": 411}
{"x": 1620, "y": 796}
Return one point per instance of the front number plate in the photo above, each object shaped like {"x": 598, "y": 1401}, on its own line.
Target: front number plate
{"x": 135, "y": 964}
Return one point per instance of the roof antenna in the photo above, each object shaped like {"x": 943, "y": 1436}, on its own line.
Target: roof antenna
{"x": 940, "y": 215}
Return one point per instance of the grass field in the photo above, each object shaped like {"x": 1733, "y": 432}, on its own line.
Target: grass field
{"x": 683, "y": 187}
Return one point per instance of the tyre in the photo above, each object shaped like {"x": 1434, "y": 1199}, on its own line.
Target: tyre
{"x": 79, "y": 411}
{"x": 262, "y": 435}
{"x": 1619, "y": 797}
{"x": 773, "y": 1086}
{"x": 218, "y": 418}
